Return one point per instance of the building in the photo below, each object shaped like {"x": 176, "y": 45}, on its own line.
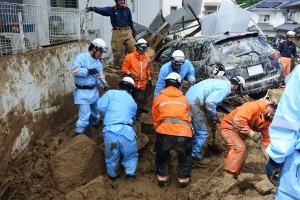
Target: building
{"x": 274, "y": 18}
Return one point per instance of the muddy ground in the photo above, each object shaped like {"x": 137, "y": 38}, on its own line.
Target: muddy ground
{"x": 61, "y": 166}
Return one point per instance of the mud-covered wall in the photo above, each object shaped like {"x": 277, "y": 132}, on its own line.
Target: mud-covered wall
{"x": 36, "y": 94}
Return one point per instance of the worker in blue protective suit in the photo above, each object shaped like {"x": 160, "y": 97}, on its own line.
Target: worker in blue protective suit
{"x": 88, "y": 71}
{"x": 179, "y": 65}
{"x": 204, "y": 98}
{"x": 119, "y": 110}
{"x": 283, "y": 168}
{"x": 123, "y": 32}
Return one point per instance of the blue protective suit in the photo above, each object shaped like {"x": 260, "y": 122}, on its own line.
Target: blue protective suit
{"x": 186, "y": 71}
{"x": 119, "y": 109}
{"x": 285, "y": 138}
{"x": 204, "y": 98}
{"x": 86, "y": 98}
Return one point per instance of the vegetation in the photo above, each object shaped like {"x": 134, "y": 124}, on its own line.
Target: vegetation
{"x": 246, "y": 3}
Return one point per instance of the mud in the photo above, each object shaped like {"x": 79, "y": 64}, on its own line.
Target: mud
{"x": 33, "y": 176}
{"x": 58, "y": 165}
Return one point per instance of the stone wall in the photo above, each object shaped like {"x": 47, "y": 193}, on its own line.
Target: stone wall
{"x": 36, "y": 94}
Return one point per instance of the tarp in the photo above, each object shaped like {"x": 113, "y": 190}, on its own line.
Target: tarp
{"x": 229, "y": 17}
{"x": 180, "y": 18}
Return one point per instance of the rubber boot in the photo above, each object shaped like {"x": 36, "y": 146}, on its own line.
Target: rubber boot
{"x": 163, "y": 181}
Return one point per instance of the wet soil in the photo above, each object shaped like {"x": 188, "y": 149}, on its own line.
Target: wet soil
{"x": 61, "y": 166}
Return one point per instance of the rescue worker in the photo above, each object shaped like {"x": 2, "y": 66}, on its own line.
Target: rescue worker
{"x": 284, "y": 150}
{"x": 179, "y": 65}
{"x": 123, "y": 31}
{"x": 287, "y": 49}
{"x": 137, "y": 66}
{"x": 118, "y": 133}
{"x": 172, "y": 125}
{"x": 252, "y": 119}
{"x": 204, "y": 98}
{"x": 88, "y": 71}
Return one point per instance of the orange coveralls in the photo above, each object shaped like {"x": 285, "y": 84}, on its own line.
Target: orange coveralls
{"x": 235, "y": 128}
{"x": 139, "y": 65}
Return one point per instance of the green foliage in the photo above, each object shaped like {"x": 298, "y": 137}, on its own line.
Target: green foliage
{"x": 246, "y": 3}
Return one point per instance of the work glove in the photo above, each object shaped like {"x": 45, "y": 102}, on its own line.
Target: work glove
{"x": 272, "y": 171}
{"x": 133, "y": 34}
{"x": 88, "y": 9}
{"x": 106, "y": 88}
{"x": 255, "y": 136}
{"x": 149, "y": 83}
{"x": 131, "y": 76}
{"x": 215, "y": 118}
{"x": 93, "y": 71}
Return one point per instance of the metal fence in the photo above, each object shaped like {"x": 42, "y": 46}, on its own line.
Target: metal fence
{"x": 26, "y": 27}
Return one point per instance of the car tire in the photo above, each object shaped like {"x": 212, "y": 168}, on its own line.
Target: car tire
{"x": 258, "y": 95}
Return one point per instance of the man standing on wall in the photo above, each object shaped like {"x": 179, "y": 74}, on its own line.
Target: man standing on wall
{"x": 88, "y": 71}
{"x": 123, "y": 31}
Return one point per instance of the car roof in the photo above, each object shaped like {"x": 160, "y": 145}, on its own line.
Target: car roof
{"x": 216, "y": 38}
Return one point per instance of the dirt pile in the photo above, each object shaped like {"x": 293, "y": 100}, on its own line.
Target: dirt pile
{"x": 61, "y": 166}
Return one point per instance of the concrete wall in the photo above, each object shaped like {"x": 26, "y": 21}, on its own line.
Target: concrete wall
{"x": 35, "y": 95}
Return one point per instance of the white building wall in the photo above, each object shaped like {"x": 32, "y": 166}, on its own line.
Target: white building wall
{"x": 166, "y": 7}
{"x": 276, "y": 19}
{"x": 143, "y": 12}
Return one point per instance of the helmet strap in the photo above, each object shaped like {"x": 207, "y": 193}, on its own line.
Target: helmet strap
{"x": 94, "y": 52}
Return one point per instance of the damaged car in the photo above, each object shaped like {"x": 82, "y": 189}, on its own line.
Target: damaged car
{"x": 224, "y": 56}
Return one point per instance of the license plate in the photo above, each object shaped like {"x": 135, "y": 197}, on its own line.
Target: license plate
{"x": 255, "y": 69}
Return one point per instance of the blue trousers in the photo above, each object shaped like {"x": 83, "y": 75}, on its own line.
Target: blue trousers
{"x": 200, "y": 123}
{"x": 115, "y": 147}
{"x": 88, "y": 115}
{"x": 183, "y": 147}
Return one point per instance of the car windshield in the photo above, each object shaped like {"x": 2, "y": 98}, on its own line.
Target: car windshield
{"x": 234, "y": 49}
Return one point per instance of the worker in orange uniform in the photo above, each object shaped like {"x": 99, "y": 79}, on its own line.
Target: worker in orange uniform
{"x": 137, "y": 66}
{"x": 252, "y": 119}
{"x": 172, "y": 124}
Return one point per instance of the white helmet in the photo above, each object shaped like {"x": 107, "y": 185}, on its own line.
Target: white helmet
{"x": 127, "y": 81}
{"x": 141, "y": 44}
{"x": 178, "y": 57}
{"x": 174, "y": 77}
{"x": 290, "y": 34}
{"x": 240, "y": 81}
{"x": 100, "y": 45}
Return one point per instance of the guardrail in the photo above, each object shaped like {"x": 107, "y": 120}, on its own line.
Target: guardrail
{"x": 26, "y": 27}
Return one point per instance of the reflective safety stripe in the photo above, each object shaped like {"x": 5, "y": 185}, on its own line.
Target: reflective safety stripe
{"x": 295, "y": 126}
{"x": 171, "y": 102}
{"x": 174, "y": 120}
